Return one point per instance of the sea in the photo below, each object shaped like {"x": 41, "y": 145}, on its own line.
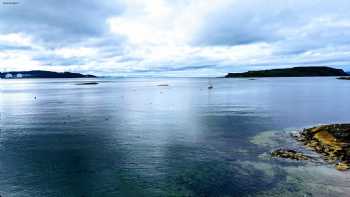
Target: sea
{"x": 166, "y": 136}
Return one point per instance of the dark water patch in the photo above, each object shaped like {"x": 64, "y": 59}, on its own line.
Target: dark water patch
{"x": 220, "y": 179}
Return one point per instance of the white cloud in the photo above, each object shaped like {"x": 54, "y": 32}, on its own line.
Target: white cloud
{"x": 76, "y": 52}
{"x": 153, "y": 23}
{"x": 16, "y": 39}
{"x": 17, "y": 61}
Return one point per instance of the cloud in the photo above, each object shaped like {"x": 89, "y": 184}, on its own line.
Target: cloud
{"x": 62, "y": 21}
{"x": 173, "y": 36}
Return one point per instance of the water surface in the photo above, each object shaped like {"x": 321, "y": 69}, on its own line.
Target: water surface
{"x": 131, "y": 137}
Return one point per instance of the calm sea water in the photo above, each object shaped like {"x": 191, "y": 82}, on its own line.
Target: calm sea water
{"x": 131, "y": 137}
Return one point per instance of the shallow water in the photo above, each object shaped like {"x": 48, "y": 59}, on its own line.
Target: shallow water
{"x": 131, "y": 137}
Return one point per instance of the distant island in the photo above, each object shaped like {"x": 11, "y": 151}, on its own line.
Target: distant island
{"x": 42, "y": 74}
{"x": 312, "y": 71}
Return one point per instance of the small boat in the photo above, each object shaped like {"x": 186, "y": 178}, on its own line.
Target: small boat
{"x": 210, "y": 86}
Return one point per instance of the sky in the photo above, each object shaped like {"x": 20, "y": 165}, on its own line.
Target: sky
{"x": 172, "y": 37}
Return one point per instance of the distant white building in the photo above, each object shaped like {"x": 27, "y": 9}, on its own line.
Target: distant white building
{"x": 8, "y": 75}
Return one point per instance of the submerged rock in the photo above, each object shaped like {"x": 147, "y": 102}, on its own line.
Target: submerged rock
{"x": 289, "y": 154}
{"x": 332, "y": 141}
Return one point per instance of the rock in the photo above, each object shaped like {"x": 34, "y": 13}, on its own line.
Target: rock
{"x": 332, "y": 141}
{"x": 289, "y": 154}
{"x": 344, "y": 78}
{"x": 342, "y": 166}
{"x": 88, "y": 83}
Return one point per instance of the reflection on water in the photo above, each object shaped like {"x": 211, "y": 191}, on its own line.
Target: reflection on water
{"x": 131, "y": 137}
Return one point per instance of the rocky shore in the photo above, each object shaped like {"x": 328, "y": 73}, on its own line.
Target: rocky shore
{"x": 331, "y": 141}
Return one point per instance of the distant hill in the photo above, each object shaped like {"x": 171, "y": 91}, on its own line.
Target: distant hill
{"x": 42, "y": 74}
{"x": 314, "y": 71}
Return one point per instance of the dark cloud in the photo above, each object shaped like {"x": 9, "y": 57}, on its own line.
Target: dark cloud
{"x": 246, "y": 22}
{"x": 58, "y": 21}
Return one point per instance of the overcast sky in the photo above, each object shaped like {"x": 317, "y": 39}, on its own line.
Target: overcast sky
{"x": 173, "y": 37}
